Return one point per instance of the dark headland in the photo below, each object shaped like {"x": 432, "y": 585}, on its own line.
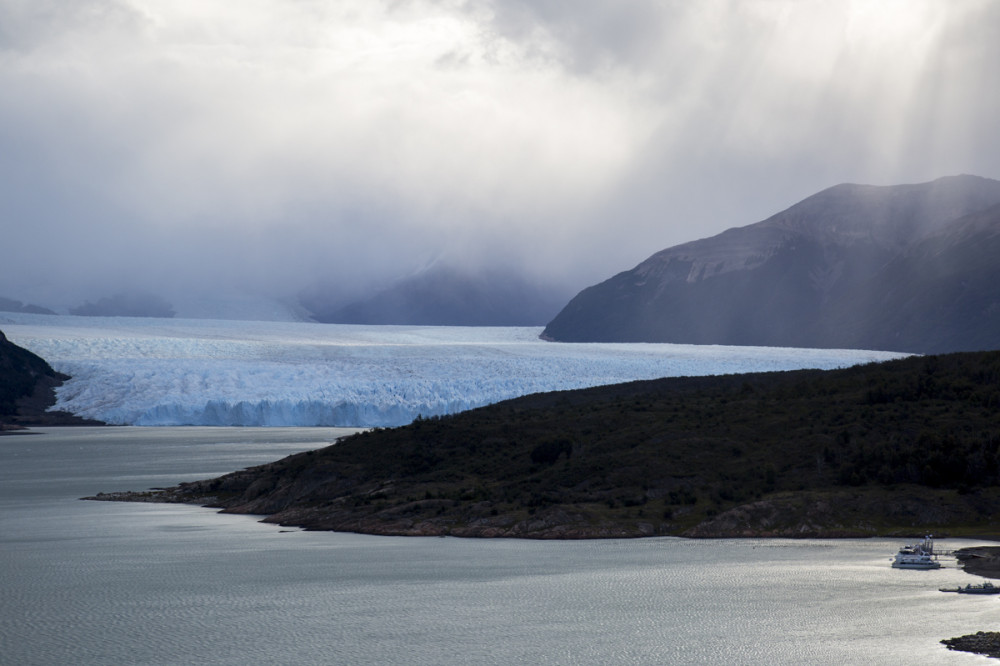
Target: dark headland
{"x": 900, "y": 448}
{"x": 27, "y": 391}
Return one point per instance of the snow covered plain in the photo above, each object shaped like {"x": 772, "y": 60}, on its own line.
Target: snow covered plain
{"x": 253, "y": 373}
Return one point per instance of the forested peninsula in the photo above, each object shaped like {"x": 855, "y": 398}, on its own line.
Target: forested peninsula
{"x": 895, "y": 448}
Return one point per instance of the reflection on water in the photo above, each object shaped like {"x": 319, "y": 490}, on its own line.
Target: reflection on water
{"x": 100, "y": 583}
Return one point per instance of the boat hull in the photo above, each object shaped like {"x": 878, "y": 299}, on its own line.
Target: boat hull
{"x": 919, "y": 556}
{"x": 974, "y": 589}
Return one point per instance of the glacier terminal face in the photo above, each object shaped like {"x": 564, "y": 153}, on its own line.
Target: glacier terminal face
{"x": 159, "y": 372}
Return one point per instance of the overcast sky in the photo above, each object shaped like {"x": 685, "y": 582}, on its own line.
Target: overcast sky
{"x": 272, "y": 143}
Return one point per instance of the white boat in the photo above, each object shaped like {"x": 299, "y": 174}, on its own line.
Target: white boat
{"x": 919, "y": 556}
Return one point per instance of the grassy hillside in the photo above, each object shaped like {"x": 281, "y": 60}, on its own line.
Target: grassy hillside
{"x": 891, "y": 448}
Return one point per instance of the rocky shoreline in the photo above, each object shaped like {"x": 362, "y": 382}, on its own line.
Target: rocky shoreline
{"x": 258, "y": 491}
{"x": 554, "y": 523}
{"x": 445, "y": 517}
{"x": 980, "y": 561}
{"x": 986, "y": 643}
{"x": 10, "y": 429}
{"x": 416, "y": 519}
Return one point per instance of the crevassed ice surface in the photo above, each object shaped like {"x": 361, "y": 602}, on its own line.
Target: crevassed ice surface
{"x": 214, "y": 372}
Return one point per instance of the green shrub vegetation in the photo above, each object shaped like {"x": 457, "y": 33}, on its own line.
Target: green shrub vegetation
{"x": 892, "y": 447}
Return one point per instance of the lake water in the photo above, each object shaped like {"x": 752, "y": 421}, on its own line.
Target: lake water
{"x": 109, "y": 583}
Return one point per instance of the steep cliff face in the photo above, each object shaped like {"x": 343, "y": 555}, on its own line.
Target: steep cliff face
{"x": 903, "y": 268}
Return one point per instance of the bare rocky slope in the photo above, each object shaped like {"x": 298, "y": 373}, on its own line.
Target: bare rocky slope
{"x": 904, "y": 268}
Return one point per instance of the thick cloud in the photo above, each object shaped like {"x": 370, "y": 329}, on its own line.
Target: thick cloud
{"x": 272, "y": 144}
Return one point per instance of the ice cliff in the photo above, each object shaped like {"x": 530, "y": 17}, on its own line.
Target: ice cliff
{"x": 205, "y": 372}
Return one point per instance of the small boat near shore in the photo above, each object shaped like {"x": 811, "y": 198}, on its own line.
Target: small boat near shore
{"x": 918, "y": 556}
{"x": 983, "y": 588}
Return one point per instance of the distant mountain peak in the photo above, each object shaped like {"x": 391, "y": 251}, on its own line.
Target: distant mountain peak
{"x": 448, "y": 295}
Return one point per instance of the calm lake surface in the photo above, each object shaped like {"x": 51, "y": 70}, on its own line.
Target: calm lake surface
{"x": 109, "y": 583}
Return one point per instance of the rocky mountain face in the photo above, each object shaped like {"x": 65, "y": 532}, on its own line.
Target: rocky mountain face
{"x": 27, "y": 390}
{"x": 446, "y": 296}
{"x": 904, "y": 268}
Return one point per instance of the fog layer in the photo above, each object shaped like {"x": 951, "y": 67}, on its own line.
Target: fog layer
{"x": 267, "y": 146}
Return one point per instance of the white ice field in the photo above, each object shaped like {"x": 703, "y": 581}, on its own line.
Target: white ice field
{"x": 252, "y": 373}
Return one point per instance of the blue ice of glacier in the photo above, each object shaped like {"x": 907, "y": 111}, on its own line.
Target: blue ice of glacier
{"x": 238, "y": 373}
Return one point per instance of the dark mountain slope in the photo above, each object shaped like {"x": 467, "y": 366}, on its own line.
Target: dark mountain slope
{"x": 444, "y": 296}
{"x": 941, "y": 295}
{"x": 810, "y": 276}
{"x": 126, "y": 304}
{"x": 12, "y": 305}
{"x": 892, "y": 448}
{"x": 27, "y": 389}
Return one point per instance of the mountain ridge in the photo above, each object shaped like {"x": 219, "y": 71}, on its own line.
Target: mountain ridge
{"x": 777, "y": 282}
{"x": 444, "y": 295}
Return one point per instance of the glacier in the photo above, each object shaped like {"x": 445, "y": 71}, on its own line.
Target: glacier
{"x": 164, "y": 372}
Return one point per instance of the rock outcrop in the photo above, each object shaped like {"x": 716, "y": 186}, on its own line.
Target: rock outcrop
{"x": 980, "y": 560}
{"x": 982, "y": 642}
{"x": 27, "y": 390}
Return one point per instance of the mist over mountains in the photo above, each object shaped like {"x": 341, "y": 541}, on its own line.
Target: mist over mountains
{"x": 906, "y": 268}
{"x": 14, "y": 305}
{"x": 440, "y": 295}
{"x": 447, "y": 296}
